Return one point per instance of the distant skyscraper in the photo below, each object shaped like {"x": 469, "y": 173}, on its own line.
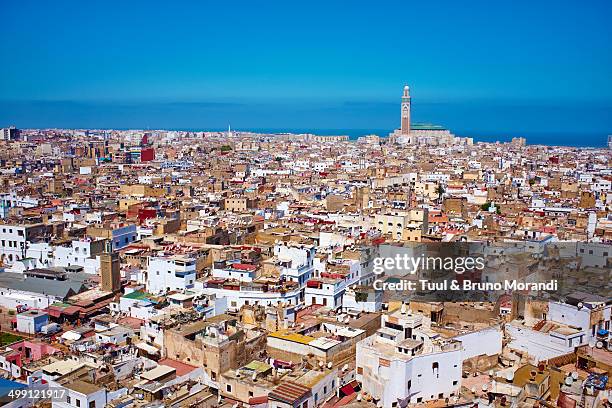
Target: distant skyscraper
{"x": 10, "y": 133}
{"x": 609, "y": 141}
{"x": 405, "y": 126}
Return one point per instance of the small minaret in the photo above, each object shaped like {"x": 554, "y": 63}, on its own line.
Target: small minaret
{"x": 110, "y": 273}
{"x": 405, "y": 124}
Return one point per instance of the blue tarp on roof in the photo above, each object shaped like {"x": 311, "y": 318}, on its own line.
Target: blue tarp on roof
{"x": 8, "y": 385}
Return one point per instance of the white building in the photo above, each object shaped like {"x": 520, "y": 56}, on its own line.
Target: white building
{"x": 82, "y": 252}
{"x": 566, "y": 327}
{"x": 234, "y": 270}
{"x": 403, "y": 364}
{"x": 115, "y": 335}
{"x": 170, "y": 273}
{"x": 250, "y": 295}
{"x": 364, "y": 299}
{"x": 81, "y": 394}
{"x": 325, "y": 291}
{"x": 295, "y": 261}
{"x": 11, "y": 200}
{"x": 13, "y": 239}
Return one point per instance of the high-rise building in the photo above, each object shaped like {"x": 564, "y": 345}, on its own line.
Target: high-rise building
{"x": 109, "y": 269}
{"x": 609, "y": 141}
{"x": 10, "y": 133}
{"x": 405, "y": 123}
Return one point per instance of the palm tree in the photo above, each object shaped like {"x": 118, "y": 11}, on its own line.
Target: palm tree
{"x": 440, "y": 191}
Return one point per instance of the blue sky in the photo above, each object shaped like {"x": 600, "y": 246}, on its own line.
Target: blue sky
{"x": 476, "y": 66}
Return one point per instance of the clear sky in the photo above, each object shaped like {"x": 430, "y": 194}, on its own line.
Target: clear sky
{"x": 474, "y": 66}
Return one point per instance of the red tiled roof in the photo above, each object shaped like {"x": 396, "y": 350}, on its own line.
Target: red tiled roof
{"x": 244, "y": 267}
{"x": 346, "y": 400}
{"x": 258, "y": 400}
{"x": 132, "y": 322}
{"x": 289, "y": 392}
{"x": 180, "y": 367}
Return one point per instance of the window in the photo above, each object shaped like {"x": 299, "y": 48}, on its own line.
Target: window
{"x": 92, "y": 404}
{"x": 228, "y": 388}
{"x": 68, "y": 399}
{"x": 77, "y": 402}
{"x": 455, "y": 382}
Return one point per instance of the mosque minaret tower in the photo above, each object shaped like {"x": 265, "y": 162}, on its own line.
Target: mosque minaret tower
{"x": 421, "y": 133}
{"x": 405, "y": 124}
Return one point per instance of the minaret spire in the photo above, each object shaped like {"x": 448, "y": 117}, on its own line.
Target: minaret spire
{"x": 405, "y": 117}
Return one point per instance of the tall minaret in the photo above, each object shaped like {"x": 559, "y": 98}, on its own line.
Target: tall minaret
{"x": 110, "y": 269}
{"x": 405, "y": 128}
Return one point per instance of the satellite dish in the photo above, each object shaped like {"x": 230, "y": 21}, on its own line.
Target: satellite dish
{"x": 574, "y": 375}
{"x": 510, "y": 376}
{"x": 592, "y": 343}
{"x": 329, "y": 365}
{"x": 485, "y": 387}
{"x": 599, "y": 344}
{"x": 359, "y": 397}
{"x": 569, "y": 381}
